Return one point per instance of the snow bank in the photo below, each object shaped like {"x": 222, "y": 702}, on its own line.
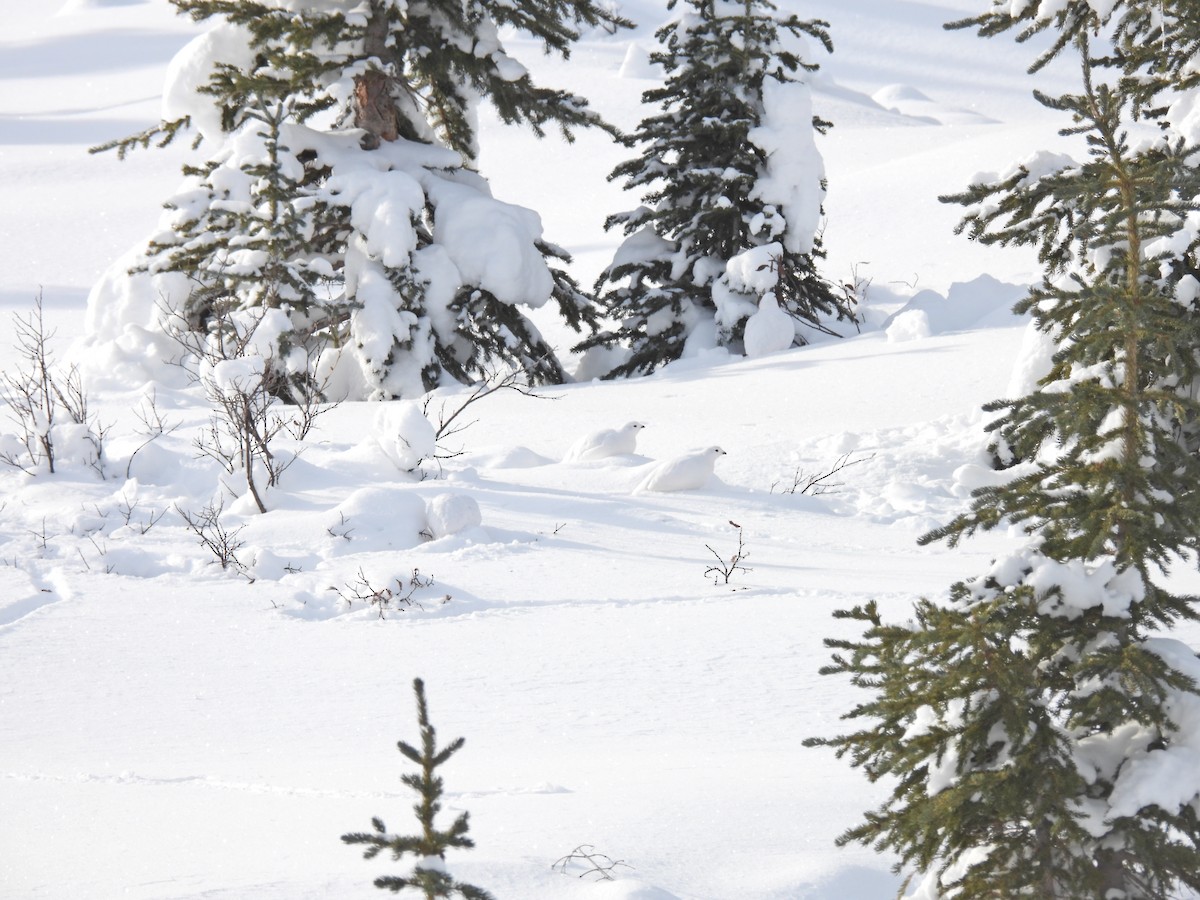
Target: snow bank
{"x": 377, "y": 517}
{"x": 979, "y": 303}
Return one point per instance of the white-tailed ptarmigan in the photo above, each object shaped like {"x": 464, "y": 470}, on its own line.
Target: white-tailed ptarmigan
{"x": 605, "y": 443}
{"x": 683, "y": 473}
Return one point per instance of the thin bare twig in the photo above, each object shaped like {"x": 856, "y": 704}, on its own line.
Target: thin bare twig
{"x": 39, "y": 394}
{"x": 725, "y": 568}
{"x": 153, "y": 427}
{"x": 817, "y": 484}
{"x": 587, "y": 858}
{"x": 399, "y": 593}
{"x": 448, "y": 424}
{"x": 222, "y": 542}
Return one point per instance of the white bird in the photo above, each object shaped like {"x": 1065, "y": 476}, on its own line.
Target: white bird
{"x": 683, "y": 473}
{"x": 605, "y": 443}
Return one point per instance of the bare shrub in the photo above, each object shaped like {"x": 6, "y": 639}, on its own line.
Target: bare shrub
{"x": 450, "y": 420}
{"x": 854, "y": 290}
{"x": 585, "y": 861}
{"x": 215, "y": 537}
{"x": 131, "y": 513}
{"x": 153, "y": 427}
{"x": 816, "y": 484}
{"x": 399, "y": 593}
{"x": 41, "y": 398}
{"x": 725, "y": 568}
{"x": 244, "y": 387}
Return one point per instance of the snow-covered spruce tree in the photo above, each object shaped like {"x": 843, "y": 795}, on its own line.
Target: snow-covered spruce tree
{"x": 341, "y": 194}
{"x": 733, "y": 186}
{"x": 429, "y": 875}
{"x": 1039, "y": 736}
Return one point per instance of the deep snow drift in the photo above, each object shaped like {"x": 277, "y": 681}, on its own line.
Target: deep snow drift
{"x": 173, "y": 729}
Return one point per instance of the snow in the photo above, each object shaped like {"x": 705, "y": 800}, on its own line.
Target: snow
{"x": 1145, "y": 774}
{"x": 1070, "y": 589}
{"x": 794, "y": 171}
{"x": 453, "y": 513}
{"x": 196, "y": 731}
{"x": 637, "y": 64}
{"x": 914, "y": 104}
{"x": 233, "y": 376}
{"x": 492, "y": 243}
{"x": 982, "y": 301}
{"x": 382, "y": 207}
{"x": 644, "y": 245}
{"x": 769, "y": 330}
{"x": 404, "y": 434}
{"x": 751, "y": 270}
{"x": 909, "y": 325}
{"x": 190, "y": 70}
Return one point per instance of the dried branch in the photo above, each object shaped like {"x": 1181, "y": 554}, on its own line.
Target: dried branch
{"x": 725, "y": 568}
{"x": 448, "y": 425}
{"x": 593, "y": 863}
{"x": 818, "y": 484}
{"x": 222, "y": 542}
{"x": 399, "y": 593}
{"x": 153, "y": 427}
{"x": 39, "y": 395}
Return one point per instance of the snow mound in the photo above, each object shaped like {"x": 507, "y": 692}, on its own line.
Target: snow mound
{"x": 637, "y": 64}
{"x": 404, "y": 434}
{"x": 908, "y": 101}
{"x": 847, "y": 106}
{"x": 980, "y": 303}
{"x": 374, "y": 518}
{"x": 629, "y": 889}
{"x": 908, "y": 325}
{"x": 75, "y": 6}
{"x": 511, "y": 458}
{"x": 769, "y": 330}
{"x": 19, "y": 595}
{"x": 452, "y": 513}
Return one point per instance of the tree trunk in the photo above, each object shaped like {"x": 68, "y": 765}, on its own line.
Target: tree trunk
{"x": 1111, "y": 869}
{"x": 374, "y": 109}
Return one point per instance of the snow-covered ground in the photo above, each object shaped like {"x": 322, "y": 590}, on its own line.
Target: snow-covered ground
{"x": 169, "y": 729}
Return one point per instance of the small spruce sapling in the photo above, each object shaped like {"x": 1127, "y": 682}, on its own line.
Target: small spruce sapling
{"x": 429, "y": 847}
